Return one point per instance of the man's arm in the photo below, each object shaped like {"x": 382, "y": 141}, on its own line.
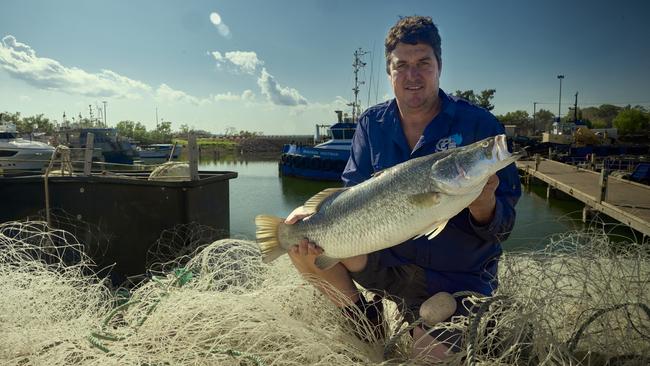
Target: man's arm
{"x": 359, "y": 166}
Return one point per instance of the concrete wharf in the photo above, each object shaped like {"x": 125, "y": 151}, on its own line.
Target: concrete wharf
{"x": 625, "y": 201}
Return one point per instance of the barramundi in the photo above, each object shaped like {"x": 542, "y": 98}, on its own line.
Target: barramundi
{"x": 411, "y": 199}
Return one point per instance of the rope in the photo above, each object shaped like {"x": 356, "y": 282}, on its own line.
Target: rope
{"x": 573, "y": 342}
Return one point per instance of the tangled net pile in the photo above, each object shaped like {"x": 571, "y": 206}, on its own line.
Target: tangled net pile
{"x": 582, "y": 301}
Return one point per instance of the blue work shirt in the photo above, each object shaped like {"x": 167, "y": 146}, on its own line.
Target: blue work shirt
{"x": 463, "y": 257}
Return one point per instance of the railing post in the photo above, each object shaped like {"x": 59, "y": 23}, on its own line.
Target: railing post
{"x": 602, "y": 182}
{"x": 194, "y": 157}
{"x": 88, "y": 153}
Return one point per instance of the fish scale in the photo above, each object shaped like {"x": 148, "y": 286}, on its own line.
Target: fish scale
{"x": 411, "y": 199}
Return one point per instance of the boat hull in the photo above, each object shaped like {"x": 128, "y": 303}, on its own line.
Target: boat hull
{"x": 313, "y": 163}
{"x": 120, "y": 218}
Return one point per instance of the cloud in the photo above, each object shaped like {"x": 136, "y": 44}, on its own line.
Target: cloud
{"x": 165, "y": 93}
{"x": 222, "y": 28}
{"x": 21, "y": 62}
{"x": 247, "y": 95}
{"x": 242, "y": 61}
{"x": 278, "y": 94}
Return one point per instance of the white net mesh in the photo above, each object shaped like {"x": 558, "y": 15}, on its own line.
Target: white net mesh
{"x": 581, "y": 301}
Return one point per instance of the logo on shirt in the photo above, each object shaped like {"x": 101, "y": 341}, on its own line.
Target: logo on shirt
{"x": 449, "y": 142}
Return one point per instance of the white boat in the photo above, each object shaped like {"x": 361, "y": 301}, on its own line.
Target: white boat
{"x": 18, "y": 155}
{"x": 159, "y": 151}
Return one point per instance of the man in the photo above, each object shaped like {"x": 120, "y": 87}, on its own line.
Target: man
{"x": 421, "y": 120}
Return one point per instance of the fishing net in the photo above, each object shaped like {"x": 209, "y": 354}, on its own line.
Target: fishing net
{"x": 583, "y": 301}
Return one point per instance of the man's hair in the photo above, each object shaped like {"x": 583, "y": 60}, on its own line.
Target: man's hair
{"x": 413, "y": 30}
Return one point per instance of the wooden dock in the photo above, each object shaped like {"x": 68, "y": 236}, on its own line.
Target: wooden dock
{"x": 625, "y": 201}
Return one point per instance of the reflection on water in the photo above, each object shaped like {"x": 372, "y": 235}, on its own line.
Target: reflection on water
{"x": 258, "y": 189}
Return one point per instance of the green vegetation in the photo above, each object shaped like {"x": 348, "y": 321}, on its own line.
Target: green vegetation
{"x": 632, "y": 121}
{"x": 138, "y": 132}
{"x": 484, "y": 100}
{"x": 216, "y": 143}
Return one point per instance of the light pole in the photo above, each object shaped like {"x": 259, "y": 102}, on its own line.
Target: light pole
{"x": 559, "y": 104}
{"x": 534, "y": 112}
{"x": 105, "y": 124}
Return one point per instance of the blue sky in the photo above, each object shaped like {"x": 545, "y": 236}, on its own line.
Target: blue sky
{"x": 280, "y": 67}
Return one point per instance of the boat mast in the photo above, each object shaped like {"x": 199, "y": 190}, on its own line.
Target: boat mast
{"x": 356, "y": 66}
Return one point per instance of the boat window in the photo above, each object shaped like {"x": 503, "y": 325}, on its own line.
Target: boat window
{"x": 6, "y": 153}
{"x": 7, "y": 135}
{"x": 342, "y": 133}
{"x": 337, "y": 134}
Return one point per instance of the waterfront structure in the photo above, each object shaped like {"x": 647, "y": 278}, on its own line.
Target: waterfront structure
{"x": 625, "y": 201}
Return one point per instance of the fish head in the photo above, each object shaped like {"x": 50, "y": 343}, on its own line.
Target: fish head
{"x": 470, "y": 166}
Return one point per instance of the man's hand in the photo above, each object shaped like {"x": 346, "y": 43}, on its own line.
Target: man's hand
{"x": 482, "y": 209}
{"x": 304, "y": 253}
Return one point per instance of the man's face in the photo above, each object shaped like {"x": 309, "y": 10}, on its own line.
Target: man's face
{"x": 415, "y": 76}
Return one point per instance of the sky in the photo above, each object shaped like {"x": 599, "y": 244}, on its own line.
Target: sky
{"x": 282, "y": 66}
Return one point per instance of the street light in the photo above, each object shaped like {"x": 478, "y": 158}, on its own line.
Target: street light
{"x": 559, "y": 104}
{"x": 534, "y": 112}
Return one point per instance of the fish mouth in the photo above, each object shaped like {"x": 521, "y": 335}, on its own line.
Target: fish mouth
{"x": 500, "y": 148}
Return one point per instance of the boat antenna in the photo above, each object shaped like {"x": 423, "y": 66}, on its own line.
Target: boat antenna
{"x": 356, "y": 66}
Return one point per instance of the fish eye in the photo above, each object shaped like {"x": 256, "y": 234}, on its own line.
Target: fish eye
{"x": 485, "y": 144}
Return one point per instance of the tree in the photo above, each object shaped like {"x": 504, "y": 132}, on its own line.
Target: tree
{"x": 520, "y": 119}
{"x": 184, "y": 129}
{"x": 515, "y": 118}
{"x": 134, "y": 130}
{"x": 483, "y": 100}
{"x": 34, "y": 123}
{"x": 631, "y": 121}
{"x": 601, "y": 117}
{"x": 10, "y": 117}
{"x": 543, "y": 120}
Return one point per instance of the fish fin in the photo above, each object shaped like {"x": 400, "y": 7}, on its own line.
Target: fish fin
{"x": 377, "y": 173}
{"x": 313, "y": 204}
{"x": 426, "y": 199}
{"x": 432, "y": 234}
{"x": 433, "y": 230}
{"x": 324, "y": 262}
{"x": 267, "y": 237}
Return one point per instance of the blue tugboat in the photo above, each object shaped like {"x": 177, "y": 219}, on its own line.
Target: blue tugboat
{"x": 326, "y": 160}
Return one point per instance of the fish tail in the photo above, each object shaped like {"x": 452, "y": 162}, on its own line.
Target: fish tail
{"x": 267, "y": 237}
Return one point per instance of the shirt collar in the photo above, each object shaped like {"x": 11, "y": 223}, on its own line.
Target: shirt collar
{"x": 438, "y": 127}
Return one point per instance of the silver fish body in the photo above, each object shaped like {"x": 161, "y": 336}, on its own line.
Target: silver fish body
{"x": 411, "y": 199}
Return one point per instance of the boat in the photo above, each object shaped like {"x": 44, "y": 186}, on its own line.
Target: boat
{"x": 327, "y": 159}
{"x": 18, "y": 155}
{"x": 120, "y": 217}
{"x": 108, "y": 145}
{"x": 159, "y": 151}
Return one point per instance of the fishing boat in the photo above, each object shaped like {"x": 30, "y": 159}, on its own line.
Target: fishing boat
{"x": 327, "y": 159}
{"x": 18, "y": 155}
{"x": 159, "y": 151}
{"x": 108, "y": 145}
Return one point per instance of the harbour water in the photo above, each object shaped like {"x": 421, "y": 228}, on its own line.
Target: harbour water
{"x": 259, "y": 189}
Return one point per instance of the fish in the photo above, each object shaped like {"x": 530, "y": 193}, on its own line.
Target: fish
{"x": 409, "y": 200}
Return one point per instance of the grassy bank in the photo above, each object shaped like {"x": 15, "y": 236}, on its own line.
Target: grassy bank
{"x": 211, "y": 144}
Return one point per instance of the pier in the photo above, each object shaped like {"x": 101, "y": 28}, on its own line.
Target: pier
{"x": 625, "y": 201}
